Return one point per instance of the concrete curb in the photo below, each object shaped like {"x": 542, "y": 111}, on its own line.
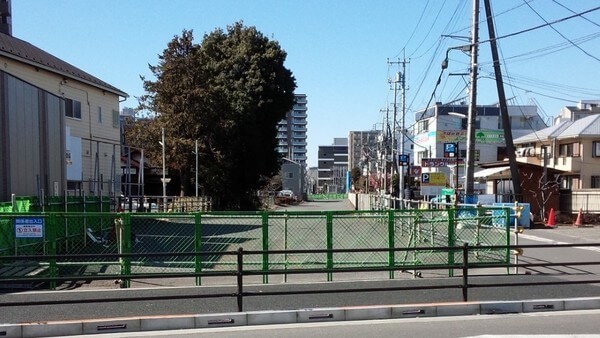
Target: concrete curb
{"x": 140, "y": 324}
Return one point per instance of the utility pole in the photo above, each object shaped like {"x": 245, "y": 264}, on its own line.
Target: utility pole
{"x": 403, "y": 122}
{"x": 400, "y": 79}
{"x": 384, "y": 148}
{"x": 472, "y": 112}
{"x": 510, "y": 148}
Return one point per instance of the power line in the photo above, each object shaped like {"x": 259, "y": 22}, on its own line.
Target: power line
{"x": 414, "y": 29}
{"x": 572, "y": 11}
{"x": 543, "y": 25}
{"x": 561, "y": 34}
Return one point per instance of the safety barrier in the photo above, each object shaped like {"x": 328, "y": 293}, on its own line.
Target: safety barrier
{"x": 106, "y": 239}
{"x": 464, "y": 282}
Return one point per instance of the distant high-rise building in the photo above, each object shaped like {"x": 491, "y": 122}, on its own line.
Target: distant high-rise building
{"x": 291, "y": 132}
{"x": 333, "y": 167}
{"x": 362, "y": 148}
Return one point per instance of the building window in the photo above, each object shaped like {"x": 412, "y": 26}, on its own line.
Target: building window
{"x": 565, "y": 150}
{"x": 595, "y": 182}
{"x": 464, "y": 124}
{"x": 100, "y": 115}
{"x": 423, "y": 126}
{"x": 576, "y": 149}
{"x": 115, "y": 119}
{"x": 73, "y": 108}
{"x": 566, "y": 182}
{"x": 289, "y": 175}
{"x": 596, "y": 149}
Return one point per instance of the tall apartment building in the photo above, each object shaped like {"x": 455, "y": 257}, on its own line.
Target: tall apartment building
{"x": 362, "y": 148}
{"x": 333, "y": 167}
{"x": 291, "y": 132}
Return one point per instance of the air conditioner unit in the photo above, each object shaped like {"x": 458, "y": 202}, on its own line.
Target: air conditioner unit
{"x": 529, "y": 152}
{"x": 520, "y": 152}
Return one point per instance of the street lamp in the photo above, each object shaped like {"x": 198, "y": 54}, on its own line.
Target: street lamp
{"x": 196, "y": 152}
{"x": 164, "y": 179}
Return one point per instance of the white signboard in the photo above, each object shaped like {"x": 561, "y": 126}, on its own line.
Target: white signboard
{"x": 431, "y": 190}
{"x": 29, "y": 227}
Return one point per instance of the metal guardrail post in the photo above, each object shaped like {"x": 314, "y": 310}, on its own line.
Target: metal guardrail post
{"x": 507, "y": 225}
{"x": 285, "y": 246}
{"x": 391, "y": 242}
{"x": 265, "y": 245}
{"x": 329, "y": 245}
{"x": 51, "y": 229}
{"x": 125, "y": 248}
{"x": 452, "y": 221}
{"x": 240, "y": 279}
{"x": 465, "y": 272}
{"x": 198, "y": 246}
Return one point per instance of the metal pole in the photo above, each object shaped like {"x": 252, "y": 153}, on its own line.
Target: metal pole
{"x": 472, "y": 116}
{"x": 164, "y": 177}
{"x": 196, "y": 168}
{"x": 457, "y": 161}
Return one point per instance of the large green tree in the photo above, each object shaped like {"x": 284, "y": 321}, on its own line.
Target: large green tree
{"x": 228, "y": 92}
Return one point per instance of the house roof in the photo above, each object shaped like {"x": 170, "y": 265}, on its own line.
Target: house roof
{"x": 25, "y": 52}
{"x": 584, "y": 127}
{"x": 491, "y": 171}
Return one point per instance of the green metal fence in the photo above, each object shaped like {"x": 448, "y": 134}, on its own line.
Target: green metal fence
{"x": 96, "y": 235}
{"x": 313, "y": 197}
{"x": 23, "y": 204}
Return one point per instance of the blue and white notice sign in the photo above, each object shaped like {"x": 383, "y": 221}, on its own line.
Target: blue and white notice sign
{"x": 29, "y": 227}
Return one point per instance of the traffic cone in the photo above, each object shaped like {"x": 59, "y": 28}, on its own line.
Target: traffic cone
{"x": 579, "y": 220}
{"x": 551, "y": 221}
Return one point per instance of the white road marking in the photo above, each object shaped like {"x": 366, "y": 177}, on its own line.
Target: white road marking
{"x": 551, "y": 241}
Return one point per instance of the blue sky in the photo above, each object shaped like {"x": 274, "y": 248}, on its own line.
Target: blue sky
{"x": 339, "y": 50}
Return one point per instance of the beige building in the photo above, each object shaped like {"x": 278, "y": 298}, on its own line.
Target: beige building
{"x": 572, "y": 145}
{"x": 59, "y": 126}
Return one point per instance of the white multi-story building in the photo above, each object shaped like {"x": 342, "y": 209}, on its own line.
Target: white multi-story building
{"x": 291, "y": 132}
{"x": 447, "y": 123}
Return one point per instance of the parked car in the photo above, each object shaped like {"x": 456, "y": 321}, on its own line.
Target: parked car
{"x": 286, "y": 193}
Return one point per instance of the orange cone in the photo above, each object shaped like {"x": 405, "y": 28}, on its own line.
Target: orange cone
{"x": 551, "y": 221}
{"x": 579, "y": 221}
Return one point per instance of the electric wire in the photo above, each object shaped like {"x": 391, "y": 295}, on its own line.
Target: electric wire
{"x": 414, "y": 29}
{"x": 481, "y": 22}
{"x": 572, "y": 11}
{"x": 542, "y": 25}
{"x": 430, "y": 29}
{"x": 561, "y": 34}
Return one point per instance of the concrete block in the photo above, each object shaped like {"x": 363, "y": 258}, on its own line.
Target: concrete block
{"x": 320, "y": 315}
{"x": 543, "y": 305}
{"x": 490, "y": 308}
{"x": 52, "y": 329}
{"x": 111, "y": 325}
{"x": 168, "y": 323}
{"x": 458, "y": 309}
{"x": 413, "y": 311}
{"x": 271, "y": 317}
{"x": 582, "y": 303}
{"x": 11, "y": 330}
{"x": 363, "y": 313}
{"x": 221, "y": 319}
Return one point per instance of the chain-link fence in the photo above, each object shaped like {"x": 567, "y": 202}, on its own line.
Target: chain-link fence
{"x": 157, "y": 243}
